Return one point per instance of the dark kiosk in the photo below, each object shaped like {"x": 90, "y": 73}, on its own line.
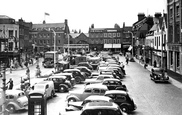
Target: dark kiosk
{"x": 37, "y": 104}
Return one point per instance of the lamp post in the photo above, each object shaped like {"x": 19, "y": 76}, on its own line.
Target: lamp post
{"x": 132, "y": 60}
{"x": 54, "y": 45}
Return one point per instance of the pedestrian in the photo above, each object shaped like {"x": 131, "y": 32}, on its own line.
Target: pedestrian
{"x": 10, "y": 82}
{"x": 155, "y": 63}
{"x": 127, "y": 59}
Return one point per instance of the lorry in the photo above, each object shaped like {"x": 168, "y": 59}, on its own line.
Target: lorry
{"x": 49, "y": 58}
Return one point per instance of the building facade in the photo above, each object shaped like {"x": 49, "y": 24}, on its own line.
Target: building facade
{"x": 9, "y": 39}
{"x": 174, "y": 35}
{"x": 108, "y": 39}
{"x": 48, "y": 36}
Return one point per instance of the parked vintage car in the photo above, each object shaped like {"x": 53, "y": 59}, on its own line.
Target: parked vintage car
{"x": 159, "y": 75}
{"x": 86, "y": 64}
{"x": 73, "y": 106}
{"x": 69, "y": 77}
{"x": 45, "y": 87}
{"x": 98, "y": 79}
{"x": 102, "y": 108}
{"x": 113, "y": 84}
{"x": 15, "y": 100}
{"x": 77, "y": 74}
{"x": 94, "y": 62}
{"x": 92, "y": 89}
{"x": 123, "y": 99}
{"x": 62, "y": 65}
{"x": 61, "y": 84}
{"x": 85, "y": 70}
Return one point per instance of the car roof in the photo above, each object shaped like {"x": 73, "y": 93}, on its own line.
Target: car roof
{"x": 98, "y": 97}
{"x": 106, "y": 75}
{"x": 116, "y": 92}
{"x": 71, "y": 70}
{"x": 62, "y": 74}
{"x": 81, "y": 67}
{"x": 58, "y": 76}
{"x": 111, "y": 79}
{"x": 100, "y": 86}
{"x": 13, "y": 92}
{"x": 100, "y": 105}
{"x": 44, "y": 82}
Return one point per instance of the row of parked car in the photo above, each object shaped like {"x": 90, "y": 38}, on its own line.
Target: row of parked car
{"x": 103, "y": 92}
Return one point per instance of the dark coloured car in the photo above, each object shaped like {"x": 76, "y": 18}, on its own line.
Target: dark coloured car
{"x": 86, "y": 64}
{"x": 85, "y": 70}
{"x": 77, "y": 74}
{"x": 123, "y": 99}
{"x": 102, "y": 108}
{"x": 113, "y": 84}
{"x": 61, "y": 84}
{"x": 159, "y": 75}
{"x": 94, "y": 61}
{"x": 62, "y": 65}
{"x": 73, "y": 106}
{"x": 69, "y": 76}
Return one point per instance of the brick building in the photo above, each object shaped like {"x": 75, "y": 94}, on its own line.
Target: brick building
{"x": 43, "y": 36}
{"x": 174, "y": 19}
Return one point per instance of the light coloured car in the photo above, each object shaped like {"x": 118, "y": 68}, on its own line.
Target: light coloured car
{"x": 74, "y": 106}
{"x": 44, "y": 87}
{"x": 98, "y": 79}
{"x": 16, "y": 100}
{"x": 92, "y": 89}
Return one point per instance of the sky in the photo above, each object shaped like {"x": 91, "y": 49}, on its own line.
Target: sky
{"x": 81, "y": 14}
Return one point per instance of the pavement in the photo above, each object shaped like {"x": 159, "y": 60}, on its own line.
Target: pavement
{"x": 175, "y": 78}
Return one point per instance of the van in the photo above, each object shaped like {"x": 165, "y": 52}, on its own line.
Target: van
{"x": 45, "y": 87}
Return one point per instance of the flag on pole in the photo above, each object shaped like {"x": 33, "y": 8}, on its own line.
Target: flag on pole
{"x": 47, "y": 14}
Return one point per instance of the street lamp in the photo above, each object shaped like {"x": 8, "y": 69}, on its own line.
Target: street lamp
{"x": 132, "y": 60}
{"x": 54, "y": 45}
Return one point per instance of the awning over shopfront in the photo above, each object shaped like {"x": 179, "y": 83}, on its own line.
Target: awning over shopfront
{"x": 112, "y": 45}
{"x": 116, "y": 45}
{"x": 107, "y": 45}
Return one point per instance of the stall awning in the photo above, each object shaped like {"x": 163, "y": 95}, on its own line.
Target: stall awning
{"x": 112, "y": 45}
{"x": 116, "y": 45}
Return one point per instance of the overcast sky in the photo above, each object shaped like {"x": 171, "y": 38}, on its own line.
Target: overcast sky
{"x": 81, "y": 13}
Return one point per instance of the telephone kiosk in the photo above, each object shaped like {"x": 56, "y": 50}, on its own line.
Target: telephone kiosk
{"x": 37, "y": 104}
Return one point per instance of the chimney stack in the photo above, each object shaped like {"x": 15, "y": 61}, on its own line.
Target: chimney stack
{"x": 158, "y": 15}
{"x": 140, "y": 16}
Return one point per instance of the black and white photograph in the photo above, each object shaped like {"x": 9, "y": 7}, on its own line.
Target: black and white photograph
{"x": 91, "y": 57}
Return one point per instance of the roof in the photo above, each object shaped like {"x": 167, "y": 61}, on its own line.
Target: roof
{"x": 100, "y": 105}
{"x": 57, "y": 76}
{"x": 74, "y": 35}
{"x": 63, "y": 74}
{"x": 5, "y": 17}
{"x": 115, "y": 92}
{"x": 111, "y": 79}
{"x": 48, "y": 25}
{"x": 14, "y": 91}
{"x": 71, "y": 70}
{"x": 100, "y": 86}
{"x": 98, "y": 97}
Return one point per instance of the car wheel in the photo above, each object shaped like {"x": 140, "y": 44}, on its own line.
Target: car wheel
{"x": 77, "y": 80}
{"x": 11, "y": 108}
{"x": 124, "y": 108}
{"x": 71, "y": 100}
{"x": 62, "y": 89}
